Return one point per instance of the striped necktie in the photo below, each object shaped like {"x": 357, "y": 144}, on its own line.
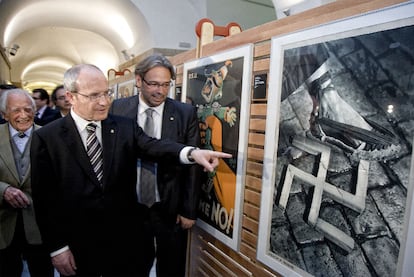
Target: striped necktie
{"x": 94, "y": 149}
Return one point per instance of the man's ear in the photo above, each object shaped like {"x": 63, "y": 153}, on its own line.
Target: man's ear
{"x": 138, "y": 81}
{"x": 6, "y": 116}
{"x": 69, "y": 96}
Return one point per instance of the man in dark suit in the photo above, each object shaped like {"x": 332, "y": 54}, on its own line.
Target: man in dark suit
{"x": 177, "y": 188}
{"x": 44, "y": 114}
{"x": 86, "y": 207}
{"x": 19, "y": 233}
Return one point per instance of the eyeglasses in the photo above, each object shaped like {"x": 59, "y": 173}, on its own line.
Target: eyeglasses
{"x": 61, "y": 98}
{"x": 95, "y": 97}
{"x": 154, "y": 85}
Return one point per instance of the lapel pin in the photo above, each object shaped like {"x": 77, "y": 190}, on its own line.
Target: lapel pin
{"x": 171, "y": 118}
{"x": 112, "y": 131}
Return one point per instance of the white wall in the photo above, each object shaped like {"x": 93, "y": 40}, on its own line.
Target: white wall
{"x": 174, "y": 21}
{"x": 296, "y": 6}
{"x": 246, "y": 13}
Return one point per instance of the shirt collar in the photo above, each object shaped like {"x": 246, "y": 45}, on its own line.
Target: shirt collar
{"x": 41, "y": 110}
{"x": 142, "y": 107}
{"x": 14, "y": 132}
{"x": 81, "y": 122}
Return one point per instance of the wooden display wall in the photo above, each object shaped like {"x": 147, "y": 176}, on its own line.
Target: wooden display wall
{"x": 208, "y": 256}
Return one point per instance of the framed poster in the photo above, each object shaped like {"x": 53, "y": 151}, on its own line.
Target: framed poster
{"x": 337, "y": 176}
{"x": 114, "y": 88}
{"x": 175, "y": 90}
{"x": 177, "y": 94}
{"x": 126, "y": 89}
{"x": 219, "y": 86}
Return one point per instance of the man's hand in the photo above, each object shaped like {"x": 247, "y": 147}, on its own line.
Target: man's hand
{"x": 65, "y": 263}
{"x": 16, "y": 198}
{"x": 207, "y": 158}
{"x": 185, "y": 223}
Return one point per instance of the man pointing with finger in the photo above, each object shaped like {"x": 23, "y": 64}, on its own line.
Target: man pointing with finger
{"x": 172, "y": 210}
{"x": 86, "y": 204}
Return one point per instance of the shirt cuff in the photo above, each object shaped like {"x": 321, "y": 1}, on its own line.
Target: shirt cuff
{"x": 60, "y": 251}
{"x": 184, "y": 155}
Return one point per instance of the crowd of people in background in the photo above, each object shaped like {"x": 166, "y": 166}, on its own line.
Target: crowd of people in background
{"x": 48, "y": 107}
{"x": 71, "y": 195}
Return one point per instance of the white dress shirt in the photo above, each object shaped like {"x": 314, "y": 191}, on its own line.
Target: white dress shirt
{"x": 141, "y": 118}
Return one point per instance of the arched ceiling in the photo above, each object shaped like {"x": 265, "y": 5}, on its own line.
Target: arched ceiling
{"x": 55, "y": 34}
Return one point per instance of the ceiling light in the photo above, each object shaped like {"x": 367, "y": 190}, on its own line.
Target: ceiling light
{"x": 12, "y": 50}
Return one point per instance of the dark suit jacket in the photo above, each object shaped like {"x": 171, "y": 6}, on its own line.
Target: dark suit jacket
{"x": 48, "y": 115}
{"x": 179, "y": 186}
{"x": 98, "y": 223}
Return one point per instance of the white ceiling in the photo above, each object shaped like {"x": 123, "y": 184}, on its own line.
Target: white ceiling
{"x": 55, "y": 34}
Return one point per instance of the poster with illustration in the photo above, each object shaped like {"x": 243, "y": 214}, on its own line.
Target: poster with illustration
{"x": 219, "y": 86}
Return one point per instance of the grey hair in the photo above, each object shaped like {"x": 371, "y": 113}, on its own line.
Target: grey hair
{"x": 15, "y": 91}
{"x": 152, "y": 61}
{"x": 71, "y": 75}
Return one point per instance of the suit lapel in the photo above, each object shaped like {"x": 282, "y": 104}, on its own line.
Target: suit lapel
{"x": 109, "y": 135}
{"x": 6, "y": 153}
{"x": 169, "y": 120}
{"x": 70, "y": 135}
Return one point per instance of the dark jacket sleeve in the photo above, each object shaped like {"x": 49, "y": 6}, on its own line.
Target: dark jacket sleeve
{"x": 192, "y": 174}
{"x": 45, "y": 197}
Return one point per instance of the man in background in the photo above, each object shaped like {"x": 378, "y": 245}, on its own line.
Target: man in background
{"x": 44, "y": 114}
{"x": 19, "y": 233}
{"x": 62, "y": 103}
{"x": 176, "y": 188}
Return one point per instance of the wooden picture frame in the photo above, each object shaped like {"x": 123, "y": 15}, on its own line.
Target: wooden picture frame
{"x": 126, "y": 89}
{"x": 114, "y": 88}
{"x": 338, "y": 174}
{"x": 220, "y": 87}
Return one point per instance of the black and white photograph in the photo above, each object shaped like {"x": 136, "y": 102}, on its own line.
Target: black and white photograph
{"x": 338, "y": 148}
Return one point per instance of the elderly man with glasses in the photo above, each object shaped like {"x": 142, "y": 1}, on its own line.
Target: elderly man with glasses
{"x": 86, "y": 205}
